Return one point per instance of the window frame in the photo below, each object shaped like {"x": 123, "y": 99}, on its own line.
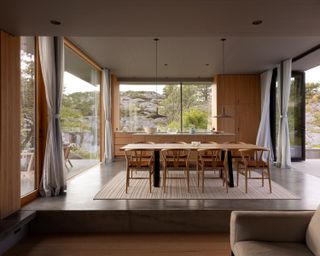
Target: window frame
{"x": 116, "y": 104}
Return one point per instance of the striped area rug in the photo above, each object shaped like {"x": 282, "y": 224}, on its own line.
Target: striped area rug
{"x": 177, "y": 189}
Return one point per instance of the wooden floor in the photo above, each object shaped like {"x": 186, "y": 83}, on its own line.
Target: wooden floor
{"x": 162, "y": 244}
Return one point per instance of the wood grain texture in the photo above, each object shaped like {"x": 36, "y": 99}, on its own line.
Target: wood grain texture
{"x": 10, "y": 124}
{"x": 115, "y": 95}
{"x": 123, "y": 138}
{"x": 126, "y": 244}
{"x": 240, "y": 96}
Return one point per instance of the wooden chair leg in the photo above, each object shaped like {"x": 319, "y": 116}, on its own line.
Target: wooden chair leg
{"x": 127, "y": 179}
{"x": 269, "y": 177}
{"x": 246, "y": 179}
{"x": 198, "y": 173}
{"x": 238, "y": 170}
{"x": 226, "y": 178}
{"x": 70, "y": 163}
{"x": 262, "y": 173}
{"x": 188, "y": 179}
{"x": 202, "y": 177}
{"x": 164, "y": 179}
{"x": 150, "y": 172}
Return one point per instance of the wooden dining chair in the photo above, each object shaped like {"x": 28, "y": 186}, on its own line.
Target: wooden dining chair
{"x": 175, "y": 159}
{"x": 148, "y": 153}
{"x": 235, "y": 152}
{"x": 210, "y": 160}
{"x": 66, "y": 154}
{"x": 254, "y": 160}
{"x": 138, "y": 160}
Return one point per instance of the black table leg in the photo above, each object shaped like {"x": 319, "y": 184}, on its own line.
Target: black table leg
{"x": 230, "y": 169}
{"x": 156, "y": 169}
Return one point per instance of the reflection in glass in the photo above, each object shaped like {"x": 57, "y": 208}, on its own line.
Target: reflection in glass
{"x": 295, "y": 117}
{"x": 80, "y": 114}
{"x": 149, "y": 106}
{"x": 161, "y": 106}
{"x": 197, "y": 107}
{"x": 28, "y": 115}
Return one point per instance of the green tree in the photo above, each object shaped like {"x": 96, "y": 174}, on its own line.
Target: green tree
{"x": 27, "y": 129}
{"x": 195, "y": 118}
{"x": 312, "y": 91}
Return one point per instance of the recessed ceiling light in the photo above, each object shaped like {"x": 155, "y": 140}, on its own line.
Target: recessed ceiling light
{"x": 55, "y": 22}
{"x": 256, "y": 22}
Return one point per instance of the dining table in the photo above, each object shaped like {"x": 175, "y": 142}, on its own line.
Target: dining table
{"x": 157, "y": 147}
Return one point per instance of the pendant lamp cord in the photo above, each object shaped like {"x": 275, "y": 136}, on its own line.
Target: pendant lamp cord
{"x": 156, "y": 66}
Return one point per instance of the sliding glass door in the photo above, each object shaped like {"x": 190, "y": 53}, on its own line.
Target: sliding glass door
{"x": 28, "y": 116}
{"x": 80, "y": 114}
{"x": 296, "y": 116}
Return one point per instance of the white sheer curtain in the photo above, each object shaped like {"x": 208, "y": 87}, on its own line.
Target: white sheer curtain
{"x": 264, "y": 132}
{"x": 283, "y": 149}
{"x": 51, "y": 51}
{"x": 106, "y": 84}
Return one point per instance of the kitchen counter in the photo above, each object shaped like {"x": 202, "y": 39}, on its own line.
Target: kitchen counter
{"x": 123, "y": 138}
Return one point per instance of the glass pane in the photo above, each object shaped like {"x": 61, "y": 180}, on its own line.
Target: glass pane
{"x": 295, "y": 118}
{"x": 155, "y": 106}
{"x": 197, "y": 107}
{"x": 312, "y": 92}
{"x": 28, "y": 115}
{"x": 80, "y": 114}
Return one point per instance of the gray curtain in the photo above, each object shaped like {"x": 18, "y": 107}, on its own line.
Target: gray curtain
{"x": 283, "y": 149}
{"x": 51, "y": 51}
{"x": 264, "y": 132}
{"x": 106, "y": 85}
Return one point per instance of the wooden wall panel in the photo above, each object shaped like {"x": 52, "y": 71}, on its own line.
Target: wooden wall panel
{"x": 9, "y": 124}
{"x": 248, "y": 122}
{"x": 115, "y": 102}
{"x": 240, "y": 96}
{"x": 226, "y": 94}
{"x": 248, "y": 89}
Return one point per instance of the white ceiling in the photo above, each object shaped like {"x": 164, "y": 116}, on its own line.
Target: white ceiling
{"x": 118, "y": 33}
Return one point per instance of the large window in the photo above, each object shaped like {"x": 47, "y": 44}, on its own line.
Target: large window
{"x": 80, "y": 114}
{"x": 28, "y": 116}
{"x": 168, "y": 107}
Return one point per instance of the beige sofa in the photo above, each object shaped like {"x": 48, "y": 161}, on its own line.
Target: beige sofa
{"x": 275, "y": 233}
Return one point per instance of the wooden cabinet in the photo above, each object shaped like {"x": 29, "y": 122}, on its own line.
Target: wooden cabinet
{"x": 120, "y": 139}
{"x": 239, "y": 95}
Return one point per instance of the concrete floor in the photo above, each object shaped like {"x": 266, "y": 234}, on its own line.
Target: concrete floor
{"x": 310, "y": 166}
{"x": 82, "y": 188}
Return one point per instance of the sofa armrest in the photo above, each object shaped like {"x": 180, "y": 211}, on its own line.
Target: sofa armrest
{"x": 273, "y": 226}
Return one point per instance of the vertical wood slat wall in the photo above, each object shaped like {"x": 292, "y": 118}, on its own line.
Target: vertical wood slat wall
{"x": 9, "y": 124}
{"x": 240, "y": 96}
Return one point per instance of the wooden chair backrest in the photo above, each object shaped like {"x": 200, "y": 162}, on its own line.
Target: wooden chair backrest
{"x": 138, "y": 157}
{"x": 259, "y": 157}
{"x": 175, "y": 156}
{"x": 211, "y": 155}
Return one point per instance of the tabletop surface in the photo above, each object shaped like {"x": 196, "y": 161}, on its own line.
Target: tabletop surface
{"x": 159, "y": 146}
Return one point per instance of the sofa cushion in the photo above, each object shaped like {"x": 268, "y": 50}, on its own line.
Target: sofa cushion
{"x": 255, "y": 248}
{"x": 313, "y": 233}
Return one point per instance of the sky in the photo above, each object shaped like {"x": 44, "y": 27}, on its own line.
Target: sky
{"x": 144, "y": 87}
{"x": 313, "y": 75}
